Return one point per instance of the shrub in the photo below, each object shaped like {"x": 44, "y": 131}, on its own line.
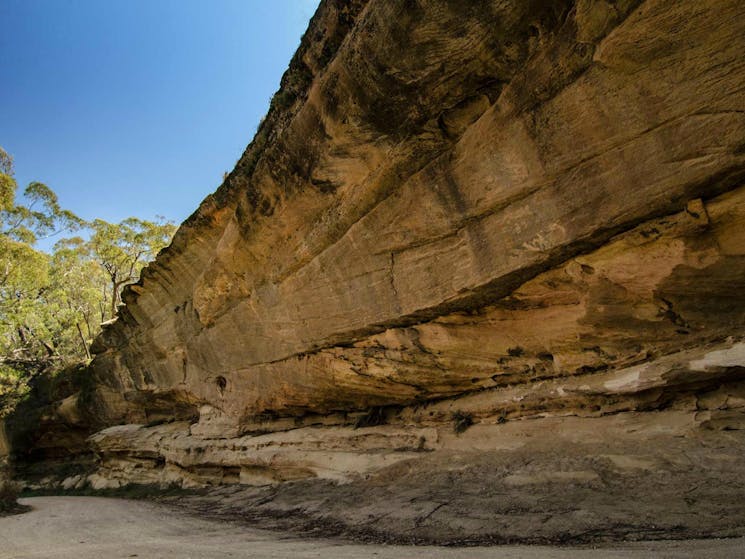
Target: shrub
{"x": 8, "y": 496}
{"x": 461, "y": 421}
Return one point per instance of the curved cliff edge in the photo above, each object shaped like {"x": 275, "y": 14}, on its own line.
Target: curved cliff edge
{"x": 478, "y": 277}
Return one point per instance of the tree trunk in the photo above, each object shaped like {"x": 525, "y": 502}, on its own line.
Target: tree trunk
{"x": 114, "y": 298}
{"x": 82, "y": 339}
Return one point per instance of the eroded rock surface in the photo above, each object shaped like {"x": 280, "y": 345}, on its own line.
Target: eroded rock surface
{"x": 446, "y": 199}
{"x": 501, "y": 217}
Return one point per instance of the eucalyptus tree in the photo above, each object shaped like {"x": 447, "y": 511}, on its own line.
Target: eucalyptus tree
{"x": 52, "y": 304}
{"x": 25, "y": 334}
{"x": 123, "y": 249}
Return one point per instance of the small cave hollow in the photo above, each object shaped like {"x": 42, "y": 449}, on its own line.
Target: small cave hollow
{"x": 222, "y": 383}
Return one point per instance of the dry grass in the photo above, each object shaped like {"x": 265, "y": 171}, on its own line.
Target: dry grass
{"x": 461, "y": 421}
{"x": 8, "y": 497}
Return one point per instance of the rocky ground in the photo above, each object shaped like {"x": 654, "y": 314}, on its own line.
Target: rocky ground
{"x": 91, "y": 528}
{"x": 669, "y": 474}
{"x": 571, "y": 492}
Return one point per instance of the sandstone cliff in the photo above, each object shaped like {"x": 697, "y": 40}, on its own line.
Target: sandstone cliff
{"x": 449, "y": 198}
{"x": 524, "y": 216}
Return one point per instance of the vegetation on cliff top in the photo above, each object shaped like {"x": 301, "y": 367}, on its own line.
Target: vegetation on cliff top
{"x": 52, "y": 304}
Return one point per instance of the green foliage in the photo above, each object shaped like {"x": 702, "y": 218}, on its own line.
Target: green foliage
{"x": 13, "y": 388}
{"x": 77, "y": 293}
{"x": 40, "y": 217}
{"x": 36, "y": 321}
{"x": 52, "y": 305}
{"x": 7, "y": 182}
{"x": 24, "y": 278}
{"x": 123, "y": 249}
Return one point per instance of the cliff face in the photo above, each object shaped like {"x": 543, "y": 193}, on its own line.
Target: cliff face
{"x": 446, "y": 199}
{"x": 455, "y": 212}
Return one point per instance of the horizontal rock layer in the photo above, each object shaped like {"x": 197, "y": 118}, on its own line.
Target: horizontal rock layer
{"x": 691, "y": 393}
{"x": 495, "y": 245}
{"x": 445, "y": 199}
{"x": 638, "y": 475}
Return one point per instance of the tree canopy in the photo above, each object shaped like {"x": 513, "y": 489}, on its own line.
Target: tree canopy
{"x": 52, "y": 304}
{"x": 123, "y": 249}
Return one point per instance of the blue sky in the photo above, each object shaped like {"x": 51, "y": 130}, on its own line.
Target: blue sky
{"x": 138, "y": 107}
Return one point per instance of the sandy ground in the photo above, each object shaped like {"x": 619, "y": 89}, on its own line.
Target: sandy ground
{"x": 94, "y": 528}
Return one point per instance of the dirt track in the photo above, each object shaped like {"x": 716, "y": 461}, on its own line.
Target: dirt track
{"x": 92, "y": 528}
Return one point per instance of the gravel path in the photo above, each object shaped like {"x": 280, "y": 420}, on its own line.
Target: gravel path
{"x": 94, "y": 528}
